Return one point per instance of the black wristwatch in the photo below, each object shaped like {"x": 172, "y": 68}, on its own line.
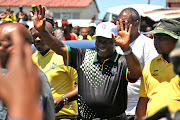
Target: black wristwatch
{"x": 65, "y": 100}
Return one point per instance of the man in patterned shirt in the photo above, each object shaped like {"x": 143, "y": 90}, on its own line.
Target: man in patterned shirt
{"x": 103, "y": 74}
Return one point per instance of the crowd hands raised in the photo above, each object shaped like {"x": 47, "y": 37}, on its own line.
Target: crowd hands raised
{"x": 21, "y": 86}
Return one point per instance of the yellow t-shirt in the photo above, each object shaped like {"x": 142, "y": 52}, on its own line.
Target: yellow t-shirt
{"x": 91, "y": 37}
{"x": 12, "y": 18}
{"x": 161, "y": 85}
{"x": 61, "y": 78}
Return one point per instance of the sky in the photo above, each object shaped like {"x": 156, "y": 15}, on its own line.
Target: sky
{"x": 103, "y": 5}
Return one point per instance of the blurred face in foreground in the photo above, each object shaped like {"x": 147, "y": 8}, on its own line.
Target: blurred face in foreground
{"x": 6, "y": 44}
{"x": 105, "y": 47}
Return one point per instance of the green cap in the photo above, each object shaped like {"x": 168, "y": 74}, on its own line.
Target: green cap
{"x": 33, "y": 5}
{"x": 167, "y": 26}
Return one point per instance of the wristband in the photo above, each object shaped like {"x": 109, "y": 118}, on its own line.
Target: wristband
{"x": 128, "y": 52}
{"x": 65, "y": 100}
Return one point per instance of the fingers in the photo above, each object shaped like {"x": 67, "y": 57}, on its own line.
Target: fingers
{"x": 27, "y": 59}
{"x": 16, "y": 57}
{"x": 40, "y": 9}
{"x": 43, "y": 12}
{"x": 130, "y": 26}
{"x": 118, "y": 26}
{"x": 126, "y": 25}
{"x": 32, "y": 12}
{"x": 40, "y": 12}
{"x": 37, "y": 10}
{"x": 121, "y": 25}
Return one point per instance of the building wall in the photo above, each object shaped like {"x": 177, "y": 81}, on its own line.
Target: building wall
{"x": 90, "y": 11}
{"x": 82, "y": 12}
{"x": 174, "y": 5}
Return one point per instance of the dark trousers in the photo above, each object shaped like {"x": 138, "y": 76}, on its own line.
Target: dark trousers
{"x": 119, "y": 117}
{"x": 66, "y": 117}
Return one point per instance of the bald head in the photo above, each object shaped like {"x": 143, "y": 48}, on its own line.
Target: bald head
{"x": 10, "y": 29}
{"x": 12, "y": 35}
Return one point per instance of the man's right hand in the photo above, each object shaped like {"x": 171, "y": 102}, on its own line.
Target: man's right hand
{"x": 39, "y": 20}
{"x": 59, "y": 103}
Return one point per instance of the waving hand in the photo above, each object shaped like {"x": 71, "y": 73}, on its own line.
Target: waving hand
{"x": 39, "y": 20}
{"x": 123, "y": 38}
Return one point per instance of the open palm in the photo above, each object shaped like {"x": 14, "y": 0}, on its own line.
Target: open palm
{"x": 123, "y": 37}
{"x": 39, "y": 20}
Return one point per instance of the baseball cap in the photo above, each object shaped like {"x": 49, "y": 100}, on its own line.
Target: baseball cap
{"x": 33, "y": 5}
{"x": 20, "y": 6}
{"x": 167, "y": 26}
{"x": 106, "y": 29}
{"x": 64, "y": 22}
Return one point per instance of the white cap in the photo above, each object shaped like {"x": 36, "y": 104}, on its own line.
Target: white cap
{"x": 106, "y": 29}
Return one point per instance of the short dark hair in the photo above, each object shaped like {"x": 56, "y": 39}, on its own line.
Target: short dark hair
{"x": 134, "y": 13}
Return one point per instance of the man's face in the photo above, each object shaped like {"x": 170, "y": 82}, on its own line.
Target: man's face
{"x": 127, "y": 16}
{"x": 65, "y": 27}
{"x": 163, "y": 43}
{"x": 6, "y": 47}
{"x": 105, "y": 47}
{"x": 38, "y": 42}
{"x": 84, "y": 32}
{"x": 91, "y": 31}
{"x": 76, "y": 29}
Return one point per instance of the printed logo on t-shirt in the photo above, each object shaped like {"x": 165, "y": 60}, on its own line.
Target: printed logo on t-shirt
{"x": 114, "y": 70}
{"x": 53, "y": 65}
{"x": 155, "y": 73}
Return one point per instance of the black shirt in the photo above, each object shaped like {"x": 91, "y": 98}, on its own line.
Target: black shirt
{"x": 102, "y": 87}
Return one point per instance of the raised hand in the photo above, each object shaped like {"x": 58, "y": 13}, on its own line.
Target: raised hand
{"x": 123, "y": 38}
{"x": 20, "y": 89}
{"x": 39, "y": 20}
{"x": 21, "y": 15}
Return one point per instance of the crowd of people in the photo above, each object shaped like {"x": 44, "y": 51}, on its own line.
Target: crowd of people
{"x": 129, "y": 75}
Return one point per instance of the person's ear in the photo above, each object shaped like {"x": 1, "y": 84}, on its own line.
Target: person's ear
{"x": 136, "y": 23}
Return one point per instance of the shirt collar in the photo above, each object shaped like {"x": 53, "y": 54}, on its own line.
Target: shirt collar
{"x": 160, "y": 58}
{"x": 112, "y": 58}
{"x": 39, "y": 54}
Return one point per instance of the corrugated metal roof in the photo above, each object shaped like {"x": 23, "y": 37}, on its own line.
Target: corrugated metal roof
{"x": 48, "y": 3}
{"x": 173, "y": 1}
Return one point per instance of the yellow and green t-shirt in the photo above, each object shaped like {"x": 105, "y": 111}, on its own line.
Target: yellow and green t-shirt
{"x": 60, "y": 77}
{"x": 161, "y": 85}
